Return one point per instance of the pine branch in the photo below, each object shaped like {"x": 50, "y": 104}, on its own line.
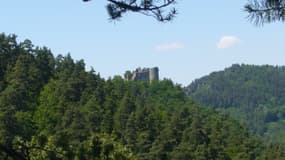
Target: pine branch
{"x": 154, "y": 8}
{"x": 265, "y": 11}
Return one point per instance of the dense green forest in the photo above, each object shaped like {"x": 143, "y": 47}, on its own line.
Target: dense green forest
{"x": 53, "y": 108}
{"x": 255, "y": 95}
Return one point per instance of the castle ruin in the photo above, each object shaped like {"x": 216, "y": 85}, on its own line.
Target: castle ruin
{"x": 145, "y": 74}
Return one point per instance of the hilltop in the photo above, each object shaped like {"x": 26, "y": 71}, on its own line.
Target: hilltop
{"x": 254, "y": 95}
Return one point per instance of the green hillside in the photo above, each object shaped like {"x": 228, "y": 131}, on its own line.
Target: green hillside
{"x": 52, "y": 108}
{"x": 254, "y": 95}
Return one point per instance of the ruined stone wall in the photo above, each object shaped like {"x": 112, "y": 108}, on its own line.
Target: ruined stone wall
{"x": 145, "y": 74}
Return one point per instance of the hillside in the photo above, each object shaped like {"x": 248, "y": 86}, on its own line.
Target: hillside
{"x": 254, "y": 95}
{"x": 52, "y": 108}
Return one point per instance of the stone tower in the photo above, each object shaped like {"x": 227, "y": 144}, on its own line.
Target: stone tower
{"x": 153, "y": 74}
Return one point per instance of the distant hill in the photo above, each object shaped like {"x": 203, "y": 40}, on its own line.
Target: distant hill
{"x": 255, "y": 95}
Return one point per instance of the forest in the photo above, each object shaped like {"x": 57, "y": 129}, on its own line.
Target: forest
{"x": 51, "y": 107}
{"x": 252, "y": 94}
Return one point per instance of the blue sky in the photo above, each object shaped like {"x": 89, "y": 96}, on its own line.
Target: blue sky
{"x": 206, "y": 36}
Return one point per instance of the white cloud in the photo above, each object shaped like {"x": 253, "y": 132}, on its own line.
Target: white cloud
{"x": 169, "y": 47}
{"x": 227, "y": 42}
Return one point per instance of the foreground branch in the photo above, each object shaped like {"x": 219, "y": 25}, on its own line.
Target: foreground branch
{"x": 159, "y": 9}
{"x": 265, "y": 11}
